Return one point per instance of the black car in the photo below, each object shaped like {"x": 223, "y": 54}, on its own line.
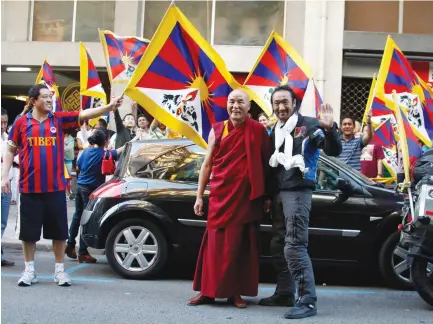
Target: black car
{"x": 144, "y": 214}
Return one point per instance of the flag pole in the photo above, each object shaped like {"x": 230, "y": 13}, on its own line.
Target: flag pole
{"x": 371, "y": 96}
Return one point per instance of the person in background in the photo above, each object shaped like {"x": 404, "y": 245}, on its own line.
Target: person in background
{"x": 371, "y": 159}
{"x": 82, "y": 137}
{"x": 69, "y": 157}
{"x": 424, "y": 147}
{"x": 357, "y": 130}
{"x": 264, "y": 120}
{"x": 143, "y": 128}
{"x": 158, "y": 130}
{"x": 125, "y": 129}
{"x": 5, "y": 197}
{"x": 89, "y": 178}
{"x": 352, "y": 146}
{"x": 15, "y": 177}
{"x": 102, "y": 123}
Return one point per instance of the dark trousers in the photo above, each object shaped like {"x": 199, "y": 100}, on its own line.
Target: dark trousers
{"x": 290, "y": 220}
{"x": 81, "y": 200}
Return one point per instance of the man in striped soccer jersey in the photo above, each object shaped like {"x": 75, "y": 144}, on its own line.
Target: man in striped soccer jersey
{"x": 38, "y": 138}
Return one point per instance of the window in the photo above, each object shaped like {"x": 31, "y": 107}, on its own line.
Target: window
{"x": 198, "y": 12}
{"x": 53, "y": 21}
{"x": 326, "y": 177}
{"x": 371, "y": 16}
{"x": 176, "y": 164}
{"x": 418, "y": 17}
{"x": 247, "y": 22}
{"x": 92, "y": 15}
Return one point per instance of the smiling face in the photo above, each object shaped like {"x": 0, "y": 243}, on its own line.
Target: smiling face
{"x": 44, "y": 102}
{"x": 238, "y": 105}
{"x": 263, "y": 120}
{"x": 347, "y": 127}
{"x": 283, "y": 104}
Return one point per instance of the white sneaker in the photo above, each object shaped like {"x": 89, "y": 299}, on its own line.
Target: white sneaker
{"x": 27, "y": 279}
{"x": 62, "y": 279}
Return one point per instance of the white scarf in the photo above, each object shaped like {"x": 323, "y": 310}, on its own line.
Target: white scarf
{"x": 283, "y": 134}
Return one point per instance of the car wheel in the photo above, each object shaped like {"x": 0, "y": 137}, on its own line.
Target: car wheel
{"x": 136, "y": 249}
{"x": 392, "y": 263}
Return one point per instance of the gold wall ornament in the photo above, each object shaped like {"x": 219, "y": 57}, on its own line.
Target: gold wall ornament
{"x": 71, "y": 100}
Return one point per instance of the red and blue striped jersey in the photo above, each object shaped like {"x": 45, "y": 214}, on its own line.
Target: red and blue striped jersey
{"x": 41, "y": 150}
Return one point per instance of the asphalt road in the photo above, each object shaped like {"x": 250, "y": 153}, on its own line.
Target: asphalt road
{"x": 100, "y": 296}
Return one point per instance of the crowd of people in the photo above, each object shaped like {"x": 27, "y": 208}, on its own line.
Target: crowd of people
{"x": 257, "y": 167}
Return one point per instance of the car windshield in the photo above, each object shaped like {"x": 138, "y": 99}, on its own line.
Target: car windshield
{"x": 349, "y": 169}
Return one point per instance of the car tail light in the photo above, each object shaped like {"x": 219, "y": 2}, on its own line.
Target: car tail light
{"x": 409, "y": 218}
{"x": 112, "y": 189}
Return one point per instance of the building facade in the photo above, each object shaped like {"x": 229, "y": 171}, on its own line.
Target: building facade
{"x": 342, "y": 41}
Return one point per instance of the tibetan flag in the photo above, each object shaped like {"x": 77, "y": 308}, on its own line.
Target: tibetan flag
{"x": 122, "y": 54}
{"x": 318, "y": 102}
{"x": 409, "y": 149}
{"x": 181, "y": 80}
{"x": 384, "y": 137}
{"x": 371, "y": 95}
{"x": 396, "y": 73}
{"x": 278, "y": 64}
{"x": 46, "y": 76}
{"x": 382, "y": 110}
{"x": 91, "y": 90}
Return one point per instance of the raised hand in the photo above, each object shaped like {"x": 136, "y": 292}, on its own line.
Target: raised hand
{"x": 326, "y": 118}
{"x": 116, "y": 102}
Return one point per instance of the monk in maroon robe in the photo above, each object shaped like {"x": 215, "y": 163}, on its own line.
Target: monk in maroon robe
{"x": 238, "y": 155}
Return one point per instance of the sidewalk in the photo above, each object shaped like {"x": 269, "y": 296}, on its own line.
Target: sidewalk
{"x": 9, "y": 240}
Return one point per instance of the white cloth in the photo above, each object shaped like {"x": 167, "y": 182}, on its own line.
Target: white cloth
{"x": 283, "y": 134}
{"x": 4, "y": 148}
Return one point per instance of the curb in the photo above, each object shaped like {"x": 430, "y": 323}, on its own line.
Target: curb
{"x": 16, "y": 245}
{"x": 40, "y": 246}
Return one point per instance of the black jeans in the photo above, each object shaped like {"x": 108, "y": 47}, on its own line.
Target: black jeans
{"x": 81, "y": 200}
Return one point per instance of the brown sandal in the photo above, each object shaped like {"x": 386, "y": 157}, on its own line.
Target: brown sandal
{"x": 200, "y": 300}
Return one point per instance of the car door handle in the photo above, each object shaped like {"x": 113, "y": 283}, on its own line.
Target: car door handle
{"x": 324, "y": 198}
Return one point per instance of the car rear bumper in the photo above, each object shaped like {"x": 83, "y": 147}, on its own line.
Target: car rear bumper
{"x": 90, "y": 226}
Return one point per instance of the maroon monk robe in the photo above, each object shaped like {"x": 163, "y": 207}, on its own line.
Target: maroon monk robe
{"x": 228, "y": 262}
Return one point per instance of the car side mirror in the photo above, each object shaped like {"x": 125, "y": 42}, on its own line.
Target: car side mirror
{"x": 343, "y": 185}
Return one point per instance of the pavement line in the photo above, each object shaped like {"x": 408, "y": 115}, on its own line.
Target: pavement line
{"x": 333, "y": 290}
{"x": 83, "y": 279}
{"x": 77, "y": 267}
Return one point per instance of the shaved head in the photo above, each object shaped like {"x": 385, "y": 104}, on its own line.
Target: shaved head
{"x": 238, "y": 92}
{"x": 238, "y": 105}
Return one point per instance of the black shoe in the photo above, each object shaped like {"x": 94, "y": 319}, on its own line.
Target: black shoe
{"x": 301, "y": 311}
{"x": 6, "y": 263}
{"x": 277, "y": 300}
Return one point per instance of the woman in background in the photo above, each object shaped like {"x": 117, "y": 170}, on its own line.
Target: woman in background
{"x": 90, "y": 177}
{"x": 264, "y": 120}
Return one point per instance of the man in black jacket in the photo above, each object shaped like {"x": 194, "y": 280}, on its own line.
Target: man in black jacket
{"x": 296, "y": 141}
{"x": 125, "y": 129}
